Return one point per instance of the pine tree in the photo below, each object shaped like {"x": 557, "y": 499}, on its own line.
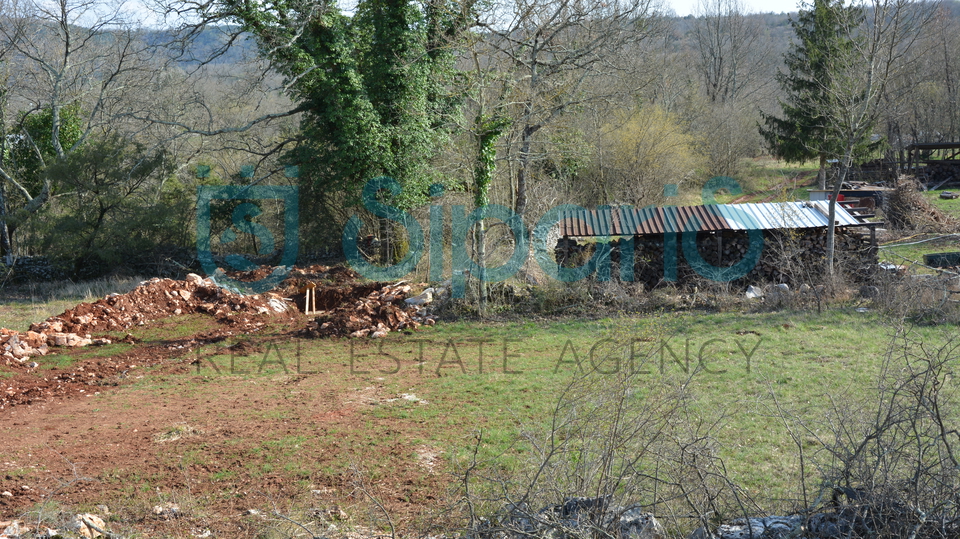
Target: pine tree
{"x": 807, "y": 129}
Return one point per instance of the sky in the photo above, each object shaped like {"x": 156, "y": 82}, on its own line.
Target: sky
{"x": 680, "y": 7}
{"x": 687, "y": 7}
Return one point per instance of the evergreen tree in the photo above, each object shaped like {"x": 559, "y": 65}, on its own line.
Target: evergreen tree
{"x": 807, "y": 129}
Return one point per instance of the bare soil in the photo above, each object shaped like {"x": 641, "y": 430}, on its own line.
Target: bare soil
{"x": 138, "y": 423}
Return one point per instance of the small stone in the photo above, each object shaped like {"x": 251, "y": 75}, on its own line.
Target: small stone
{"x": 166, "y": 511}
{"x": 85, "y": 530}
{"x": 6, "y": 494}
{"x": 48, "y": 533}
{"x": 15, "y": 529}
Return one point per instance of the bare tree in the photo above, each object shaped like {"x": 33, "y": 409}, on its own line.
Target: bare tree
{"x": 76, "y": 61}
{"x": 551, "y": 52}
{"x": 732, "y": 57}
{"x": 861, "y": 79}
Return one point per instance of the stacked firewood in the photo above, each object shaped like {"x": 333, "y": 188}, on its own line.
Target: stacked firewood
{"x": 941, "y": 175}
{"x": 785, "y": 254}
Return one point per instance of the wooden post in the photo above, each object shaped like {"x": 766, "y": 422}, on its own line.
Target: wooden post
{"x": 309, "y": 298}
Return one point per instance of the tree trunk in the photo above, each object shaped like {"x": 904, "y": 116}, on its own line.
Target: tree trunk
{"x": 479, "y": 239}
{"x": 6, "y": 250}
{"x": 845, "y": 165}
{"x": 822, "y": 173}
{"x": 526, "y": 142}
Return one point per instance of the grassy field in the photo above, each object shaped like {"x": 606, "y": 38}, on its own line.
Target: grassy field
{"x": 308, "y": 413}
{"x": 23, "y": 305}
{"x": 910, "y": 250}
{"x": 384, "y": 430}
{"x": 767, "y": 179}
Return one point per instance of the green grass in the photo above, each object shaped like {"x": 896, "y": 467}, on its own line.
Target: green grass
{"x": 949, "y": 207}
{"x": 23, "y": 305}
{"x": 912, "y": 249}
{"x": 805, "y": 359}
{"x": 20, "y": 314}
{"x": 765, "y": 177}
{"x": 56, "y": 361}
{"x": 315, "y": 407}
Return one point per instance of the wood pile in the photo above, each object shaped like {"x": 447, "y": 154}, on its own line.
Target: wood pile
{"x": 790, "y": 256}
{"x": 907, "y": 208}
{"x": 876, "y": 171}
{"x": 374, "y": 311}
{"x": 799, "y": 256}
{"x": 940, "y": 175}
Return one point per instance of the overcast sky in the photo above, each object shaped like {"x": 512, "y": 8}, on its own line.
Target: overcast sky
{"x": 686, "y": 7}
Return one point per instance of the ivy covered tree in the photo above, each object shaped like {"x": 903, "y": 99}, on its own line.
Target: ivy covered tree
{"x": 806, "y": 129}
{"x": 370, "y": 86}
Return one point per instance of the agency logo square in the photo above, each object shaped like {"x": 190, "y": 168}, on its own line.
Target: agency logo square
{"x": 245, "y": 229}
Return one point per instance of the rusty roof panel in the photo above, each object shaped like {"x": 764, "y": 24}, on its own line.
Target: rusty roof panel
{"x": 628, "y": 221}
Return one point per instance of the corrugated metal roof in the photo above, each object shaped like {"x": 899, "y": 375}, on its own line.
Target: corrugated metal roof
{"x": 628, "y": 221}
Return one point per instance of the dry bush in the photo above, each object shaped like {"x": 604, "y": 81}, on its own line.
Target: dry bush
{"x": 620, "y": 431}
{"x": 929, "y": 299}
{"x": 907, "y": 209}
{"x": 892, "y": 459}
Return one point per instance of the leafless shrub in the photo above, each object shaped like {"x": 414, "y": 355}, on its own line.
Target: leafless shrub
{"x": 927, "y": 299}
{"x": 621, "y": 434}
{"x": 889, "y": 461}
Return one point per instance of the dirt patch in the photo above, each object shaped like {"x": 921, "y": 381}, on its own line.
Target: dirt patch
{"x": 92, "y": 425}
{"x": 343, "y": 307}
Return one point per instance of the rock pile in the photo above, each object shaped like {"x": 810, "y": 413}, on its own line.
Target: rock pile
{"x": 772, "y": 527}
{"x": 370, "y": 310}
{"x": 33, "y": 268}
{"x": 575, "y": 517}
{"x": 152, "y": 300}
